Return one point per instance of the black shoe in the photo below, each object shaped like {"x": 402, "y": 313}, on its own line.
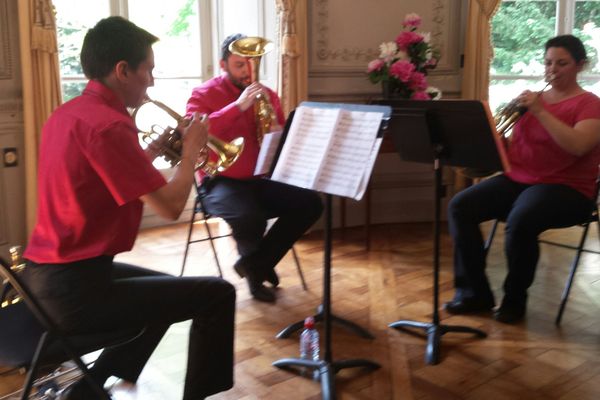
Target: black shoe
{"x": 262, "y": 293}
{"x": 510, "y": 314}
{"x": 272, "y": 277}
{"x": 468, "y": 306}
{"x": 259, "y": 291}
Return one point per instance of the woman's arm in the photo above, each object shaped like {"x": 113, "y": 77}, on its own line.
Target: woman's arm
{"x": 577, "y": 140}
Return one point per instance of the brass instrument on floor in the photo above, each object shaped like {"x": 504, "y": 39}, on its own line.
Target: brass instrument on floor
{"x": 253, "y": 48}
{"x": 8, "y": 295}
{"x": 169, "y": 142}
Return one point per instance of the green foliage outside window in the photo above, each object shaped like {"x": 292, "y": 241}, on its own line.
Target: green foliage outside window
{"x": 521, "y": 27}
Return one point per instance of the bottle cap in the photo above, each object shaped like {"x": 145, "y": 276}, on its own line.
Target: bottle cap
{"x": 309, "y": 322}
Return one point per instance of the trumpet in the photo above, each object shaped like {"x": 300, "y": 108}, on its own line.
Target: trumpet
{"x": 253, "y": 48}
{"x": 508, "y": 115}
{"x": 169, "y": 142}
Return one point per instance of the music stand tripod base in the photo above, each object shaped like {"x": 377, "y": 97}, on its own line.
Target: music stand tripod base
{"x": 434, "y": 334}
{"x": 318, "y": 317}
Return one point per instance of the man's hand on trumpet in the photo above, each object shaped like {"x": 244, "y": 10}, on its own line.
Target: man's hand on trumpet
{"x": 248, "y": 96}
{"x": 195, "y": 136}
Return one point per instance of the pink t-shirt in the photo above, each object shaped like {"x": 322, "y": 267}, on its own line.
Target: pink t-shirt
{"x": 216, "y": 97}
{"x": 92, "y": 171}
{"x": 536, "y": 158}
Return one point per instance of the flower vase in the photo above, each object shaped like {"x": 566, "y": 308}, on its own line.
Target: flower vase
{"x": 388, "y": 90}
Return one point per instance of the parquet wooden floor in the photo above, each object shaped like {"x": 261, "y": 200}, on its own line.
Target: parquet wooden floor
{"x": 531, "y": 360}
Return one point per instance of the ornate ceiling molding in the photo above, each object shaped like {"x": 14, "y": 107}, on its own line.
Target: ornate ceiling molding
{"x": 5, "y": 55}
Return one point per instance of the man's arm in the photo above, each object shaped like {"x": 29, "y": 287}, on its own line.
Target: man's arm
{"x": 169, "y": 200}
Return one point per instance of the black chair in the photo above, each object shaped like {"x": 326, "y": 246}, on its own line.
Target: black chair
{"x": 579, "y": 249}
{"x": 200, "y": 214}
{"x": 30, "y": 340}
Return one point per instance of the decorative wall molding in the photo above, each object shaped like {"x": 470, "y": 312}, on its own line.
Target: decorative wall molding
{"x": 5, "y": 55}
{"x": 327, "y": 57}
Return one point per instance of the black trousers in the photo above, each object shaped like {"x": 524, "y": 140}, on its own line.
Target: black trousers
{"x": 246, "y": 205}
{"x": 528, "y": 211}
{"x": 101, "y": 295}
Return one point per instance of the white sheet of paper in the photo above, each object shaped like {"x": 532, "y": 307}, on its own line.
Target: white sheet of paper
{"x": 267, "y": 152}
{"x": 369, "y": 168}
{"x": 305, "y": 147}
{"x": 349, "y": 154}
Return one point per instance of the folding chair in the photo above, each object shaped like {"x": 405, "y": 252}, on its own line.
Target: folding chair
{"x": 579, "y": 249}
{"x": 30, "y": 339}
{"x": 200, "y": 211}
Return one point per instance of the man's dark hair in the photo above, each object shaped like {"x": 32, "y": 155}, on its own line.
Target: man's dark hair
{"x": 114, "y": 39}
{"x": 225, "y": 53}
{"x": 570, "y": 43}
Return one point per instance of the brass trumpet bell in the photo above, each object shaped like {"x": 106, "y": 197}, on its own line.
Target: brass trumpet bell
{"x": 170, "y": 142}
{"x": 252, "y": 46}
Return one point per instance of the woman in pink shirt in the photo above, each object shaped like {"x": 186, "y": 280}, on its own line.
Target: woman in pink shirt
{"x": 554, "y": 155}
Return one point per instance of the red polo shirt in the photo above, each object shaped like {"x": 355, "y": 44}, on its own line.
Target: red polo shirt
{"x": 536, "y": 158}
{"x": 216, "y": 97}
{"x": 91, "y": 174}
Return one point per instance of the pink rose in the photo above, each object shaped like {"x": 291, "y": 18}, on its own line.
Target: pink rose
{"x": 418, "y": 81}
{"x": 411, "y": 20}
{"x": 375, "y": 65}
{"x": 420, "y": 96}
{"x": 407, "y": 38}
{"x": 402, "y": 70}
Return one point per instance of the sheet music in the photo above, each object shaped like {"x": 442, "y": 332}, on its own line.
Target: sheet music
{"x": 267, "y": 152}
{"x": 306, "y": 145}
{"x": 349, "y": 156}
{"x": 369, "y": 168}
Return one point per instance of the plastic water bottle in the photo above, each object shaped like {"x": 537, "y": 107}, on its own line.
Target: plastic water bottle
{"x": 309, "y": 345}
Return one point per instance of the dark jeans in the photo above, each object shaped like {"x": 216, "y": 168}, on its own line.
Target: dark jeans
{"x": 528, "y": 211}
{"x": 101, "y": 295}
{"x": 246, "y": 205}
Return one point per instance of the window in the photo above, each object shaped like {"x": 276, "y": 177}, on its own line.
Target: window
{"x": 519, "y": 30}
{"x": 190, "y": 33}
{"x": 188, "y": 51}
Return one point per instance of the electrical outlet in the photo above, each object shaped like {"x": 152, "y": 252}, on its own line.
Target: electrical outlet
{"x": 10, "y": 157}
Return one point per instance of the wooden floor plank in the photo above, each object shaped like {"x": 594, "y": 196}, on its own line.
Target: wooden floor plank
{"x": 531, "y": 360}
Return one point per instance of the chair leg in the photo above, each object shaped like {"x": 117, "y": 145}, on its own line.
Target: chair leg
{"x": 299, "y": 268}
{"x": 490, "y": 238}
{"x": 574, "y": 264}
{"x": 212, "y": 245}
{"x": 33, "y": 366}
{"x": 189, "y": 236}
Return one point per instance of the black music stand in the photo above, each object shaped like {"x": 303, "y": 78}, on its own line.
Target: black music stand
{"x": 452, "y": 133}
{"x": 327, "y": 367}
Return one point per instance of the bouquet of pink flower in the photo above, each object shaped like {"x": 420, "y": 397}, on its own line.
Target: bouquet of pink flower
{"x": 402, "y": 65}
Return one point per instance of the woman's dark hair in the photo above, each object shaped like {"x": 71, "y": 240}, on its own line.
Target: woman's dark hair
{"x": 114, "y": 39}
{"x": 225, "y": 53}
{"x": 570, "y": 43}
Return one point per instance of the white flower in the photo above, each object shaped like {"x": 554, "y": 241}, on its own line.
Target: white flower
{"x": 428, "y": 54}
{"x": 401, "y": 55}
{"x": 388, "y": 49}
{"x": 435, "y": 92}
{"x": 426, "y": 36}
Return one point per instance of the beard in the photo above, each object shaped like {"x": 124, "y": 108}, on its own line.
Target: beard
{"x": 240, "y": 83}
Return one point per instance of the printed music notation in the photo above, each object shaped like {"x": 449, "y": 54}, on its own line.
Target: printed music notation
{"x": 331, "y": 150}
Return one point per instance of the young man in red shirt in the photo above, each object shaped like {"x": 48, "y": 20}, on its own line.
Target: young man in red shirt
{"x": 94, "y": 179}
